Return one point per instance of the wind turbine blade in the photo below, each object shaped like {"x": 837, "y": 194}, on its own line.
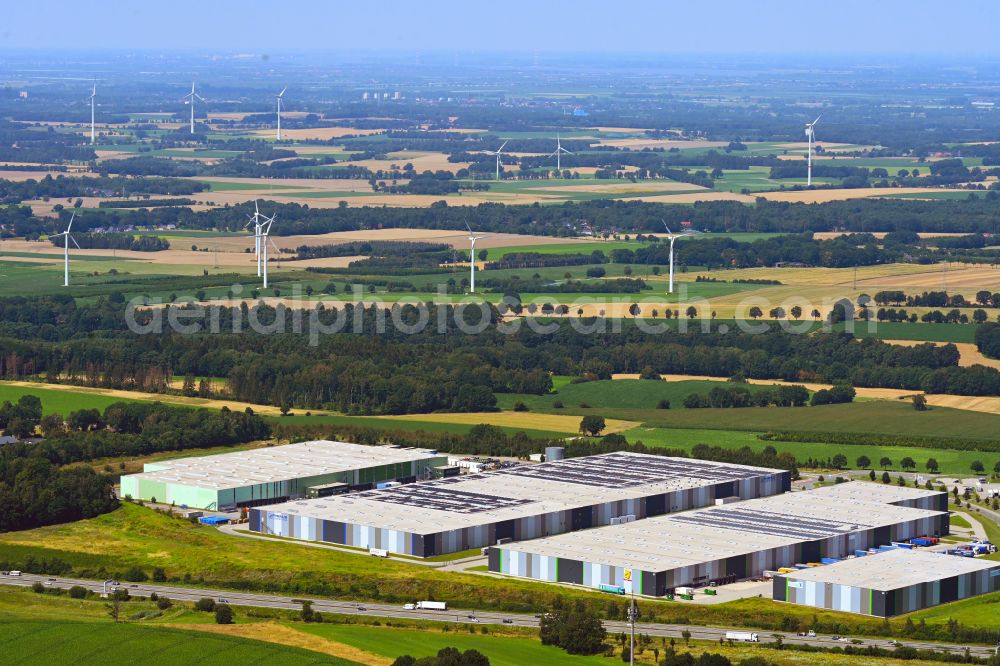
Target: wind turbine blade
{"x": 273, "y": 244}
{"x": 282, "y": 91}
{"x": 816, "y": 121}
{"x": 666, "y": 227}
{"x": 74, "y": 242}
{"x": 70, "y": 225}
{"x": 468, "y": 227}
{"x": 502, "y": 146}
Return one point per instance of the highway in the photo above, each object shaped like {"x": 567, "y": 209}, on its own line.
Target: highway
{"x": 482, "y": 617}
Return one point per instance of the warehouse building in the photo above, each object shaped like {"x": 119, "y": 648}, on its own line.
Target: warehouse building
{"x": 521, "y": 502}
{"x": 275, "y": 474}
{"x": 889, "y": 583}
{"x": 729, "y": 542}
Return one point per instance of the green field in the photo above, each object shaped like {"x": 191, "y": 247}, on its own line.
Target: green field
{"x": 59, "y": 402}
{"x": 103, "y": 643}
{"x": 501, "y": 650}
{"x": 875, "y": 417}
{"x": 950, "y": 461}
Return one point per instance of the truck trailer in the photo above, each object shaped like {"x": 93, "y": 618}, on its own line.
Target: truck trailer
{"x": 745, "y": 636}
{"x": 432, "y": 605}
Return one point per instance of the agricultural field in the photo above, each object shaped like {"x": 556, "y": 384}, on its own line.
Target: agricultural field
{"x": 103, "y": 643}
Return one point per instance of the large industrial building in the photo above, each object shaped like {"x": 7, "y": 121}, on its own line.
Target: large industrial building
{"x": 729, "y": 542}
{"x": 889, "y": 583}
{"x": 516, "y": 503}
{"x": 275, "y": 474}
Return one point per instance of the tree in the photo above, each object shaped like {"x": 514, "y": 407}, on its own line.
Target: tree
{"x": 920, "y": 402}
{"x": 839, "y": 461}
{"x": 634, "y": 310}
{"x": 115, "y": 601}
{"x": 78, "y": 592}
{"x": 932, "y": 465}
{"x": 577, "y": 629}
{"x": 205, "y": 604}
{"x": 482, "y": 254}
{"x": 308, "y": 614}
{"x": 884, "y": 462}
{"x": 886, "y": 478}
{"x": 977, "y": 466}
{"x": 755, "y": 313}
{"x": 871, "y": 474}
{"x": 592, "y": 425}
{"x": 908, "y": 463}
{"x": 864, "y": 462}
{"x": 691, "y": 312}
{"x": 795, "y": 311}
{"x": 223, "y": 614}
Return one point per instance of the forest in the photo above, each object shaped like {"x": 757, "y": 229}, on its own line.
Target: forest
{"x": 863, "y": 216}
{"x": 395, "y": 372}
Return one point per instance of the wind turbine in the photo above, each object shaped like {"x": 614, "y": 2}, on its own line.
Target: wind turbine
{"x": 255, "y": 221}
{"x": 472, "y": 258}
{"x": 673, "y": 237}
{"x": 558, "y": 153}
{"x": 497, "y": 153}
{"x": 810, "y": 137}
{"x": 189, "y": 99}
{"x": 66, "y": 239}
{"x": 93, "y": 103}
{"x": 278, "y": 99}
{"x": 263, "y": 239}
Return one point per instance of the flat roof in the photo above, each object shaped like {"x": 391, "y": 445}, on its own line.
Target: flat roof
{"x": 278, "y": 463}
{"x": 893, "y": 569}
{"x": 516, "y": 492}
{"x": 688, "y": 538}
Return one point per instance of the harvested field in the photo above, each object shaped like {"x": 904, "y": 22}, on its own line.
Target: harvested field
{"x": 320, "y": 133}
{"x": 954, "y": 277}
{"x": 421, "y": 162}
{"x": 281, "y": 634}
{"x": 827, "y": 235}
{"x": 988, "y": 405}
{"x": 693, "y": 197}
{"x": 822, "y": 196}
{"x": 21, "y": 176}
{"x": 552, "y": 422}
{"x": 827, "y": 276}
{"x": 969, "y": 355}
{"x": 661, "y": 144}
{"x": 620, "y": 187}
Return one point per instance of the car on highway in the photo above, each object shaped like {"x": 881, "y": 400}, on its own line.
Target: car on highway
{"x": 507, "y": 620}
{"x": 221, "y": 600}
{"x": 362, "y": 608}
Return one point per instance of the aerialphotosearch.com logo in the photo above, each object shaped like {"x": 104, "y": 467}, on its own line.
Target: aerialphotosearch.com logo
{"x": 363, "y": 312}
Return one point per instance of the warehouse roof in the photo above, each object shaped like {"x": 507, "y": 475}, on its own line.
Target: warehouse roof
{"x": 893, "y": 569}
{"x": 277, "y": 463}
{"x": 677, "y": 540}
{"x": 525, "y": 490}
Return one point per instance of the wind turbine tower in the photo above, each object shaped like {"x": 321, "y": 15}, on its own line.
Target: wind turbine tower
{"x": 189, "y": 99}
{"x": 472, "y": 258}
{"x": 93, "y": 104}
{"x": 278, "y": 99}
{"x": 255, "y": 221}
{"x": 264, "y": 237}
{"x": 558, "y": 153}
{"x": 66, "y": 239}
{"x": 673, "y": 237}
{"x": 497, "y": 153}
{"x": 810, "y": 138}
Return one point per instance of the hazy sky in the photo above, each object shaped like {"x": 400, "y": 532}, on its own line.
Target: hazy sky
{"x": 910, "y": 27}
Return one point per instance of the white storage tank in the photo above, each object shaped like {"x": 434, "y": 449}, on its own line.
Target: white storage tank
{"x": 554, "y": 453}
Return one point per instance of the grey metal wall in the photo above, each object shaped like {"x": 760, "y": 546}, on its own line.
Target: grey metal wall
{"x": 749, "y": 565}
{"x": 885, "y": 603}
{"x": 528, "y": 527}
